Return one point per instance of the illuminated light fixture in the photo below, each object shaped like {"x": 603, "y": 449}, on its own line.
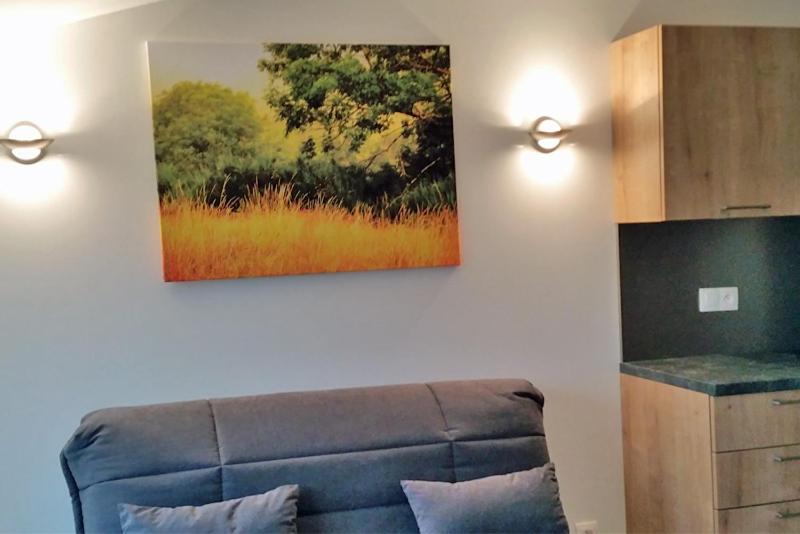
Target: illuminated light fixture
{"x": 25, "y": 143}
{"x": 547, "y": 134}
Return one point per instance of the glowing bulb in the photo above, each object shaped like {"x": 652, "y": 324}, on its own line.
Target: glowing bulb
{"x": 549, "y": 144}
{"x": 549, "y": 125}
{"x": 547, "y": 134}
{"x": 26, "y": 143}
{"x": 26, "y": 155}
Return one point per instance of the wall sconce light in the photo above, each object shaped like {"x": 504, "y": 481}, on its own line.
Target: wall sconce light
{"x": 25, "y": 143}
{"x": 547, "y": 134}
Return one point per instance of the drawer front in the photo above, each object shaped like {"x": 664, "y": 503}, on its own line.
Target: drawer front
{"x": 757, "y": 420}
{"x": 780, "y": 517}
{"x": 759, "y": 476}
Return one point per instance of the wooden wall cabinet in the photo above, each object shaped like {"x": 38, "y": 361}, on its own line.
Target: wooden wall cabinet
{"x": 697, "y": 463}
{"x": 706, "y": 123}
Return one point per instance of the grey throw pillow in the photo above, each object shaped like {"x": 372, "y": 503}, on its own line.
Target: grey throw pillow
{"x": 526, "y": 501}
{"x": 271, "y": 512}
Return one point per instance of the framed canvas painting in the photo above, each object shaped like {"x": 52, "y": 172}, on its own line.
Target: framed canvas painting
{"x": 281, "y": 159}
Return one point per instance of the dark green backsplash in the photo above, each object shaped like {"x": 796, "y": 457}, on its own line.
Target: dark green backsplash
{"x": 663, "y": 265}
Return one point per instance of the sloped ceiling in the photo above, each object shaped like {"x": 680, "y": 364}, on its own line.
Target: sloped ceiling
{"x": 54, "y": 12}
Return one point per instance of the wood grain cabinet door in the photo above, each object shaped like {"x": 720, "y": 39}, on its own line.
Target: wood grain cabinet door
{"x": 731, "y": 121}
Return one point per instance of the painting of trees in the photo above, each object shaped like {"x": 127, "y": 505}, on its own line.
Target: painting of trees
{"x": 340, "y": 141}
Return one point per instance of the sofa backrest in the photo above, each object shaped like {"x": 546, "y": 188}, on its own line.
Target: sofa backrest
{"x": 347, "y": 449}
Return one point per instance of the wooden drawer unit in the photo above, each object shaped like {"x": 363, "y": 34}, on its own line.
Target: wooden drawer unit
{"x": 778, "y": 517}
{"x": 757, "y": 420}
{"x": 758, "y": 476}
{"x": 698, "y": 463}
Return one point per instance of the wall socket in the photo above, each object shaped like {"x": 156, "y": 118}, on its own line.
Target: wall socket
{"x": 718, "y": 299}
{"x": 586, "y": 527}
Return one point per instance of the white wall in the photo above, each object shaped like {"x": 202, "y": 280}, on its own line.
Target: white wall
{"x": 85, "y": 321}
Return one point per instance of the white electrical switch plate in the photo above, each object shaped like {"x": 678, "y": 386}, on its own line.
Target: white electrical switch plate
{"x": 718, "y": 299}
{"x": 586, "y": 527}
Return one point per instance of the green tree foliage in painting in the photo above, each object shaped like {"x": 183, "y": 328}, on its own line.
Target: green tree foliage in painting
{"x": 354, "y": 91}
{"x": 200, "y": 130}
{"x": 362, "y": 125}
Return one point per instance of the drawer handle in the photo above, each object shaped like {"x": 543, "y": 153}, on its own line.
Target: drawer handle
{"x": 787, "y": 515}
{"x": 747, "y": 207}
{"x": 784, "y": 402}
{"x": 781, "y": 459}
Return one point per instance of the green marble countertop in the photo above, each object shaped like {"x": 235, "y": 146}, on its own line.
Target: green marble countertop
{"x": 720, "y": 374}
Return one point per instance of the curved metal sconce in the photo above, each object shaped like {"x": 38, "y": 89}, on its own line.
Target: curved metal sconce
{"x": 547, "y": 134}
{"x": 26, "y": 143}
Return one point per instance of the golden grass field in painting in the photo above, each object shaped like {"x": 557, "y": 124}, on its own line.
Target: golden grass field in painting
{"x": 273, "y": 235}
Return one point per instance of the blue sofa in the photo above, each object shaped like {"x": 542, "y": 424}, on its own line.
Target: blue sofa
{"x": 347, "y": 449}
